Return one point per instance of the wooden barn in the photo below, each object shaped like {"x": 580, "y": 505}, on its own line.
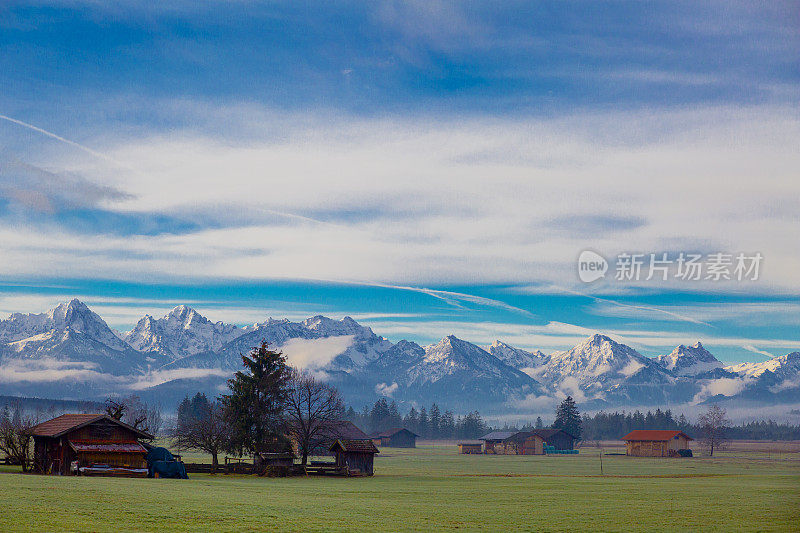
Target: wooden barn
{"x": 355, "y": 456}
{"x": 655, "y": 442}
{"x": 557, "y": 438}
{"x": 470, "y": 447}
{"x": 396, "y": 438}
{"x": 88, "y": 444}
{"x": 494, "y": 442}
{"x": 330, "y": 433}
{"x": 525, "y": 443}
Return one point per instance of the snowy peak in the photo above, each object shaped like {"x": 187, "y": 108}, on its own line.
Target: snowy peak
{"x": 689, "y": 360}
{"x": 65, "y": 318}
{"x": 329, "y": 327}
{"x": 786, "y": 365}
{"x": 516, "y": 357}
{"x": 181, "y": 332}
{"x": 596, "y": 361}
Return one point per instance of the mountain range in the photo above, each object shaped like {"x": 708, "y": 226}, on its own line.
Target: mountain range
{"x": 70, "y": 352}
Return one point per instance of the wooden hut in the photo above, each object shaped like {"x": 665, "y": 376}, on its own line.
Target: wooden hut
{"x": 396, "y": 438}
{"x": 89, "y": 444}
{"x": 494, "y": 442}
{"x": 525, "y": 443}
{"x": 354, "y": 456}
{"x": 330, "y": 433}
{"x": 655, "y": 443}
{"x": 470, "y": 447}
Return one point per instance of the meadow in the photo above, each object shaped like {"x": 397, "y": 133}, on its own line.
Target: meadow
{"x": 746, "y": 488}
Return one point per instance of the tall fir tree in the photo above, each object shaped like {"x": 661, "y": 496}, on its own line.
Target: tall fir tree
{"x": 255, "y": 404}
{"x": 568, "y": 418}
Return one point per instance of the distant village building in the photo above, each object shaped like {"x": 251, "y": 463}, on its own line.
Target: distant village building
{"x": 396, "y": 438}
{"x": 533, "y": 442}
{"x": 656, "y": 443}
{"x": 494, "y": 442}
{"x": 355, "y": 456}
{"x": 470, "y": 447}
{"x": 89, "y": 444}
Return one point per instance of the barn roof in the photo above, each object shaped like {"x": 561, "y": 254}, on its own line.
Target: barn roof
{"x": 655, "y": 434}
{"x": 392, "y": 432}
{"x": 498, "y": 435}
{"x": 63, "y": 424}
{"x": 343, "y": 429}
{"x": 358, "y": 446}
{"x": 546, "y": 433}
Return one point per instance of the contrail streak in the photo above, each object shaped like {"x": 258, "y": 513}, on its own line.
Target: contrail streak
{"x": 63, "y": 140}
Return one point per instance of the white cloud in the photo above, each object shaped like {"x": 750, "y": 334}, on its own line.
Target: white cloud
{"x": 50, "y": 370}
{"x": 631, "y": 368}
{"x": 473, "y": 200}
{"x": 313, "y": 354}
{"x": 158, "y": 377}
{"x": 570, "y": 386}
{"x": 386, "y": 390}
{"x": 720, "y": 386}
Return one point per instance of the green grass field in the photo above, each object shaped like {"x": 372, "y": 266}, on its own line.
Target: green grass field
{"x": 432, "y": 488}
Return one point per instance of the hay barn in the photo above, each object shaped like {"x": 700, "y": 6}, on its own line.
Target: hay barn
{"x": 655, "y": 443}
{"x": 89, "y": 444}
{"x": 356, "y": 456}
{"x": 396, "y": 438}
{"x": 525, "y": 443}
{"x": 470, "y": 447}
{"x": 494, "y": 442}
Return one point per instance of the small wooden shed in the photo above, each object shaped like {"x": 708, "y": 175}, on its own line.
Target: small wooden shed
{"x": 89, "y": 444}
{"x": 470, "y": 447}
{"x": 396, "y": 438}
{"x": 355, "y": 456}
{"x": 655, "y": 442}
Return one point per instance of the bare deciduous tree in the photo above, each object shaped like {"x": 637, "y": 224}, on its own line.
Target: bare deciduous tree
{"x": 206, "y": 430}
{"x": 713, "y": 424}
{"x": 312, "y": 411}
{"x": 15, "y": 439}
{"x": 134, "y": 412}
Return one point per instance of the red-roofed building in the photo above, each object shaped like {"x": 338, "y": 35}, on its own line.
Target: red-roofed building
{"x": 656, "y": 442}
{"x": 88, "y": 444}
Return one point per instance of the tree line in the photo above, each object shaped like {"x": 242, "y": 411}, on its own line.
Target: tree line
{"x": 428, "y": 423}
{"x": 612, "y": 426}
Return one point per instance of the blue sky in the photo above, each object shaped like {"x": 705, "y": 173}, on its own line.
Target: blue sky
{"x": 290, "y": 159}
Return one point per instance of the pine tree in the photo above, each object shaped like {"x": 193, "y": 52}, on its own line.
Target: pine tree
{"x": 539, "y": 424}
{"x": 568, "y": 418}
{"x": 423, "y": 422}
{"x": 255, "y": 403}
{"x": 435, "y": 422}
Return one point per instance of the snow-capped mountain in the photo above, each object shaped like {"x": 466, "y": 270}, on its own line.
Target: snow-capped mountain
{"x": 606, "y": 370}
{"x": 71, "y": 352}
{"x": 516, "y": 357}
{"x": 71, "y": 332}
{"x": 689, "y": 360}
{"x": 360, "y": 344}
{"x": 181, "y": 332}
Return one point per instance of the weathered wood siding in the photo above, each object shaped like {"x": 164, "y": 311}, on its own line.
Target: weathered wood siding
{"x": 533, "y": 445}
